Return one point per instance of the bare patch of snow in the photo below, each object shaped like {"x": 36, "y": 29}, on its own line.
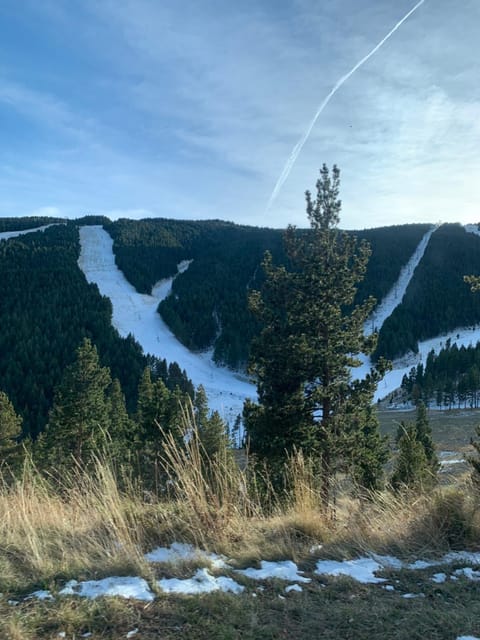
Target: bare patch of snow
{"x": 123, "y": 586}
{"x": 201, "y": 582}
{"x": 282, "y": 570}
{"x": 181, "y": 552}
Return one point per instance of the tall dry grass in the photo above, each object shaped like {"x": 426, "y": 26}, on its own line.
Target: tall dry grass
{"x": 86, "y": 526}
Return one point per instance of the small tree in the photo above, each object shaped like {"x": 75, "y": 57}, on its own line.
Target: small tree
{"x": 417, "y": 463}
{"x": 411, "y": 468}
{"x": 312, "y": 336}
{"x": 10, "y": 432}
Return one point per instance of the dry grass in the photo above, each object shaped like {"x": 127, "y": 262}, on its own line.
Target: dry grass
{"x": 87, "y": 526}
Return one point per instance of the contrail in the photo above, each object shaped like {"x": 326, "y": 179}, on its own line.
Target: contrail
{"x": 299, "y": 146}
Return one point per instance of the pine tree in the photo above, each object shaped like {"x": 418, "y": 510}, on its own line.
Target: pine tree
{"x": 411, "y": 468}
{"x": 417, "y": 462}
{"x": 424, "y": 436}
{"x": 123, "y": 433}
{"x": 79, "y": 421}
{"x": 370, "y": 451}
{"x": 311, "y": 337}
{"x": 10, "y": 432}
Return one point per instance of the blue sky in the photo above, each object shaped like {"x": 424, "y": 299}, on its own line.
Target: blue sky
{"x": 190, "y": 108}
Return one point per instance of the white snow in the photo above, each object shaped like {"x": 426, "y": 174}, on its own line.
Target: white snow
{"x": 293, "y": 587}
{"x": 181, "y": 552}
{"x": 122, "y": 586}
{"x": 361, "y": 569}
{"x": 201, "y": 582}
{"x": 468, "y": 638}
{"x": 469, "y": 573}
{"x": 439, "y": 578}
{"x": 6, "y": 235}
{"x": 395, "y": 296}
{"x": 136, "y": 314}
{"x": 282, "y": 570}
{"x": 472, "y": 228}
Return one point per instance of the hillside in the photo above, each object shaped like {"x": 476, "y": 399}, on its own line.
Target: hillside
{"x": 46, "y": 309}
{"x": 47, "y": 306}
{"x": 209, "y": 305}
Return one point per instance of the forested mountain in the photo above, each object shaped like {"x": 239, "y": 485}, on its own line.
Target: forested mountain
{"x": 437, "y": 299}
{"x": 46, "y": 309}
{"x": 209, "y": 302}
{"x": 29, "y": 222}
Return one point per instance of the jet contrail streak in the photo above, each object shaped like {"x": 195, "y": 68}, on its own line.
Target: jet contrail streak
{"x": 298, "y": 147}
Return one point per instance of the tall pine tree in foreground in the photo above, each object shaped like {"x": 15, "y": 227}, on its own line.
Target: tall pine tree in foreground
{"x": 79, "y": 421}
{"x": 312, "y": 336}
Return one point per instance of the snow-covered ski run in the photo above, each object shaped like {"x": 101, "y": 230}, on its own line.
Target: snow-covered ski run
{"x": 135, "y": 313}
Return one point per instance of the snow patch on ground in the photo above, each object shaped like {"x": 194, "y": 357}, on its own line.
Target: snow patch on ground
{"x": 201, "y": 582}
{"x": 360, "y": 569}
{"x": 282, "y": 570}
{"x": 363, "y": 569}
{"x": 181, "y": 552}
{"x": 122, "y": 586}
{"x": 135, "y": 313}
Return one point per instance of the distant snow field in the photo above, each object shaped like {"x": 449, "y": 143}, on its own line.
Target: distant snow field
{"x": 136, "y": 313}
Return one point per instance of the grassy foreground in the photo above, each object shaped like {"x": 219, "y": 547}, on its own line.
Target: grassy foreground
{"x": 89, "y": 529}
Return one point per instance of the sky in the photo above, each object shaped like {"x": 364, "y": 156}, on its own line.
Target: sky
{"x": 191, "y": 108}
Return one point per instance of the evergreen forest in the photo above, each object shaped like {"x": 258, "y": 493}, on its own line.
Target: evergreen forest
{"x": 46, "y": 309}
{"x": 437, "y": 299}
{"x": 209, "y": 302}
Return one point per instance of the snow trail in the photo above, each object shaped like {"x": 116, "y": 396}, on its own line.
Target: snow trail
{"x": 395, "y": 296}
{"x": 6, "y": 235}
{"x": 135, "y": 313}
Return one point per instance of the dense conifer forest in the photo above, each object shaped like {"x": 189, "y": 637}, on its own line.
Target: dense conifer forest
{"x": 46, "y": 309}
{"x": 28, "y": 222}
{"x": 209, "y": 302}
{"x": 437, "y": 299}
{"x": 448, "y": 379}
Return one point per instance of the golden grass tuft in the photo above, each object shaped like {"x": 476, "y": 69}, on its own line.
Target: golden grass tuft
{"x": 86, "y": 527}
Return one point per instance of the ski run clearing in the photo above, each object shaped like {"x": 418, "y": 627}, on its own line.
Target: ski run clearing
{"x": 227, "y": 390}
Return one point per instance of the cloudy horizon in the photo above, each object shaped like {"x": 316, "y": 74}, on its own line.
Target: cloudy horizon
{"x": 136, "y": 108}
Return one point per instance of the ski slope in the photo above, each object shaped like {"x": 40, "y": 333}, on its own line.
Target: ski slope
{"x": 6, "y": 235}
{"x": 395, "y": 296}
{"x": 462, "y": 336}
{"x": 136, "y": 313}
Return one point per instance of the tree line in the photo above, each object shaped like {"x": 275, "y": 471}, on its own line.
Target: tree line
{"x": 448, "y": 379}
{"x": 89, "y": 420}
